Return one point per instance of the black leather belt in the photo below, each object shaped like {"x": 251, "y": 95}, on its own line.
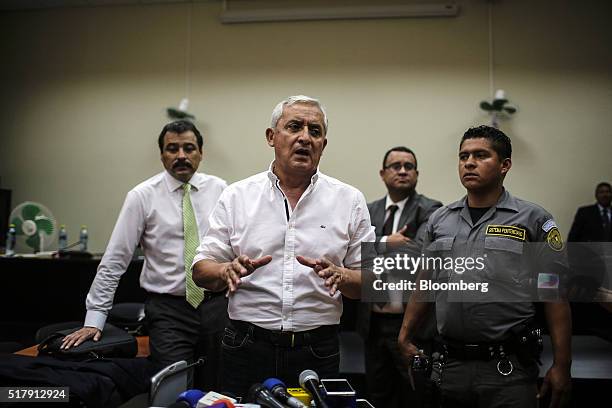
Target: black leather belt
{"x": 207, "y": 295}
{"x": 476, "y": 351}
{"x": 286, "y": 338}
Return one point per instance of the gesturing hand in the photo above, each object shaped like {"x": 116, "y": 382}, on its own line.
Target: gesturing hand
{"x": 240, "y": 267}
{"x": 398, "y": 237}
{"x": 333, "y": 275}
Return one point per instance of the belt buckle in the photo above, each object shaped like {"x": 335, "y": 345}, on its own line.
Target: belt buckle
{"x": 471, "y": 348}
{"x": 472, "y": 351}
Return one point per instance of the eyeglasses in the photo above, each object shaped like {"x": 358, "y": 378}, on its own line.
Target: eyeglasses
{"x": 397, "y": 166}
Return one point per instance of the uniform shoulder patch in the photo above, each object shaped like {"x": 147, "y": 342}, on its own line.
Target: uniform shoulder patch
{"x": 508, "y": 231}
{"x": 554, "y": 240}
{"x": 548, "y": 225}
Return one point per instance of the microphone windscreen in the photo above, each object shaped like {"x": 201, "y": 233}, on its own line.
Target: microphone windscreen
{"x": 307, "y": 375}
{"x": 273, "y": 382}
{"x": 191, "y": 397}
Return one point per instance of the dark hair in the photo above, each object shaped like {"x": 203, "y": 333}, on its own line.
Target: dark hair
{"x": 179, "y": 126}
{"x": 603, "y": 184}
{"x": 498, "y": 139}
{"x": 399, "y": 149}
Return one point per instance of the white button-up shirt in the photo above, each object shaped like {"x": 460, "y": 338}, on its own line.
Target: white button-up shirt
{"x": 152, "y": 215}
{"x": 254, "y": 218}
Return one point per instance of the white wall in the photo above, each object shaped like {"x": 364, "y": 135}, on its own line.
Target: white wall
{"x": 84, "y": 93}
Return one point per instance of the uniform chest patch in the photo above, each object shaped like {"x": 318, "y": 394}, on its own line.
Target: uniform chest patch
{"x": 508, "y": 231}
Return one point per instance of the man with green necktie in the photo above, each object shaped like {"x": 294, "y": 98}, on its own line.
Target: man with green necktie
{"x": 166, "y": 214}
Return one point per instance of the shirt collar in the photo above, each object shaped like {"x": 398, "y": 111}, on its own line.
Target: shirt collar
{"x": 274, "y": 178}
{"x": 506, "y": 201}
{"x": 400, "y": 204}
{"x": 174, "y": 184}
{"x": 602, "y": 208}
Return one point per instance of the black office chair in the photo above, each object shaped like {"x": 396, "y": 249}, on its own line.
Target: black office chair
{"x": 169, "y": 382}
{"x": 129, "y": 316}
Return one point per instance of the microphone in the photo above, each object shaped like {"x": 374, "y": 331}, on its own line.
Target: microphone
{"x": 259, "y": 394}
{"x": 190, "y": 397}
{"x": 309, "y": 380}
{"x": 279, "y": 390}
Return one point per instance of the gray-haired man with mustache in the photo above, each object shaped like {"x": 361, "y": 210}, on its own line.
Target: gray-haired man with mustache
{"x": 166, "y": 215}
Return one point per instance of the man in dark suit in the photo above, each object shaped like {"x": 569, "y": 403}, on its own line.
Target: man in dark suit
{"x": 592, "y": 222}
{"x": 400, "y": 219}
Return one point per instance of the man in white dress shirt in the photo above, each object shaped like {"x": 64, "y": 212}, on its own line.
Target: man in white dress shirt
{"x": 285, "y": 243}
{"x": 153, "y": 216}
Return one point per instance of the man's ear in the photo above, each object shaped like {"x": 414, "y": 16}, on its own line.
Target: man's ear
{"x": 270, "y": 137}
{"x": 506, "y": 165}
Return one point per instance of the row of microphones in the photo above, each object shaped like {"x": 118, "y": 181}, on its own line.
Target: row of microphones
{"x": 273, "y": 393}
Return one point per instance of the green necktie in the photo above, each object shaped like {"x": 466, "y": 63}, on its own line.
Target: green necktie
{"x": 194, "y": 294}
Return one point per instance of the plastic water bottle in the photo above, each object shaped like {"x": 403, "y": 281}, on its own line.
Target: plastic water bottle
{"x": 11, "y": 238}
{"x": 83, "y": 238}
{"x": 62, "y": 239}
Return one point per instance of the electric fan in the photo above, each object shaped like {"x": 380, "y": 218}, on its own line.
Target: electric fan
{"x": 35, "y": 227}
{"x": 499, "y": 108}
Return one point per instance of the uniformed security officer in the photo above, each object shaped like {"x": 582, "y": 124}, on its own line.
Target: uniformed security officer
{"x": 485, "y": 360}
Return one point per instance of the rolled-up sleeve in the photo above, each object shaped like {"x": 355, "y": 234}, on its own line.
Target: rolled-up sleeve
{"x": 360, "y": 230}
{"x": 215, "y": 245}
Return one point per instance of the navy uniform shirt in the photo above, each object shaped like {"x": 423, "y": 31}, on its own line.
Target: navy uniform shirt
{"x": 514, "y": 245}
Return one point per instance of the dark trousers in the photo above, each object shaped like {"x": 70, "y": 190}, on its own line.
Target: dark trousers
{"x": 387, "y": 378}
{"x": 177, "y": 332}
{"x": 478, "y": 384}
{"x": 250, "y": 356}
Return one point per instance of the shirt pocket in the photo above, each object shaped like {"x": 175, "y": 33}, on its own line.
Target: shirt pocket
{"x": 436, "y": 253}
{"x": 505, "y": 262}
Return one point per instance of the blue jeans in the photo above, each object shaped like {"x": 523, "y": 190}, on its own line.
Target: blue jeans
{"x": 249, "y": 357}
